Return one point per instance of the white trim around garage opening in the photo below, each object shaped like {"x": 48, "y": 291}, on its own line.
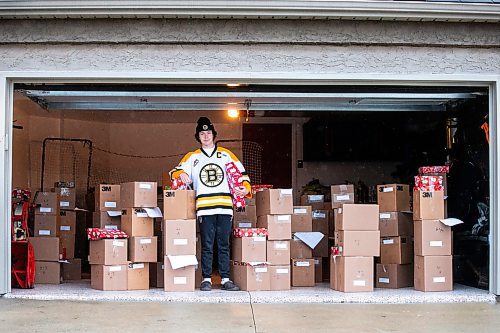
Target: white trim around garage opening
{"x": 7, "y": 79}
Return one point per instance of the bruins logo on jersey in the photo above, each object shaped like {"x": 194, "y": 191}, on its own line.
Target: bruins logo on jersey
{"x": 211, "y": 175}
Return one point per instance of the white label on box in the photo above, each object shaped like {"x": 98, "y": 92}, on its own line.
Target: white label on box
{"x": 302, "y": 263}
{"x": 283, "y": 217}
{"x": 111, "y": 227}
{"x": 118, "y": 243}
{"x": 259, "y": 239}
{"x": 319, "y": 215}
{"x": 115, "y": 268}
{"x": 383, "y": 280}
{"x": 287, "y": 191}
{"x": 436, "y": 243}
{"x": 110, "y": 204}
{"x": 45, "y": 210}
{"x": 260, "y": 269}
{"x": 388, "y": 241}
{"x": 342, "y": 197}
{"x": 162, "y": 267}
{"x": 388, "y": 189}
{"x": 439, "y": 279}
{"x": 64, "y": 204}
{"x": 300, "y": 210}
{"x": 281, "y": 246}
{"x": 145, "y": 186}
{"x": 281, "y": 270}
{"x": 315, "y": 198}
{"x": 316, "y": 261}
{"x": 137, "y": 266}
{"x": 244, "y": 225}
{"x": 142, "y": 214}
{"x": 180, "y": 280}
{"x": 359, "y": 283}
{"x": 145, "y": 241}
{"x": 385, "y": 216}
{"x": 180, "y": 241}
{"x": 44, "y": 232}
{"x": 65, "y": 228}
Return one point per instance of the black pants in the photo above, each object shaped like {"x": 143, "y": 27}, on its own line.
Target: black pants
{"x": 215, "y": 228}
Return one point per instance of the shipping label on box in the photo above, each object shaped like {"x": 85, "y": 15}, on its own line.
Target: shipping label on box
{"x": 278, "y": 252}
{"x": 143, "y": 249}
{"x": 432, "y": 238}
{"x": 393, "y": 276}
{"x": 138, "y": 195}
{"x": 251, "y": 278}
{"x": 342, "y": 194}
{"x": 358, "y": 243}
{"x": 249, "y": 249}
{"x": 179, "y": 237}
{"x": 393, "y": 198}
{"x": 179, "y": 204}
{"x": 107, "y": 197}
{"x": 428, "y": 205}
{"x": 136, "y": 222}
{"x": 358, "y": 217}
{"x": 433, "y": 273}
{"x": 396, "y": 250}
{"x": 395, "y": 224}
{"x": 280, "y": 276}
{"x": 279, "y": 227}
{"x": 108, "y": 252}
{"x": 112, "y": 277}
{"x": 274, "y": 201}
{"x": 302, "y": 219}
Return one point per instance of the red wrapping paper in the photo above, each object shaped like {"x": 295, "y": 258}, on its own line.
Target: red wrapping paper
{"x": 250, "y": 232}
{"x": 234, "y": 179}
{"x": 260, "y": 187}
{"x": 434, "y": 169}
{"x": 98, "y": 234}
{"x": 178, "y": 184}
{"x": 428, "y": 183}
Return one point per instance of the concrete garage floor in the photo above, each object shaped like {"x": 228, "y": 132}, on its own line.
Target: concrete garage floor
{"x": 19, "y": 315}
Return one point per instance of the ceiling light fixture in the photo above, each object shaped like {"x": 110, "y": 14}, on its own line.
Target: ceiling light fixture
{"x": 233, "y": 113}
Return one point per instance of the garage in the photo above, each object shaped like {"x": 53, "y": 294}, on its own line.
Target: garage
{"x": 341, "y": 122}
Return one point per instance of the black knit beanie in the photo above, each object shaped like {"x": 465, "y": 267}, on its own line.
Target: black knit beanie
{"x": 204, "y": 124}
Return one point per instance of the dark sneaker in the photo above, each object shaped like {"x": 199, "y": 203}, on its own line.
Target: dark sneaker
{"x": 205, "y": 286}
{"x": 230, "y": 286}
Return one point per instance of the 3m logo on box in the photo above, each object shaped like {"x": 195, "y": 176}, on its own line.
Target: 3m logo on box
{"x": 240, "y": 210}
{"x": 105, "y": 188}
{"x": 169, "y": 194}
{"x": 399, "y": 188}
{"x": 426, "y": 194}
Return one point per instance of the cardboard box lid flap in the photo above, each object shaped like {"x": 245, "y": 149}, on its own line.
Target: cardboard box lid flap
{"x": 311, "y": 239}
{"x": 450, "y": 222}
{"x": 153, "y": 212}
{"x": 114, "y": 213}
{"x": 182, "y": 261}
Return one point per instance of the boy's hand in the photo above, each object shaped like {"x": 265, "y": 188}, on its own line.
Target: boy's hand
{"x": 240, "y": 191}
{"x": 185, "y": 178}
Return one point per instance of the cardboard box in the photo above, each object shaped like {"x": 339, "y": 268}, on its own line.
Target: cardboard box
{"x": 322, "y": 249}
{"x": 180, "y": 279}
{"x": 46, "y": 225}
{"x": 67, "y": 221}
{"x": 45, "y": 248}
{"x": 198, "y": 247}
{"x": 143, "y": 249}
{"x": 428, "y": 205}
{"x": 279, "y": 227}
{"x": 112, "y": 277}
{"x": 393, "y": 198}
{"x": 358, "y": 217}
{"x": 179, "y": 205}
{"x": 394, "y": 276}
{"x": 342, "y": 194}
{"x": 303, "y": 273}
{"x": 250, "y": 201}
{"x": 396, "y": 250}
{"x": 351, "y": 274}
{"x": 67, "y": 197}
{"x": 433, "y": 273}
{"x": 318, "y": 269}
{"x": 107, "y": 197}
{"x": 47, "y": 203}
{"x": 249, "y": 249}
{"x": 136, "y": 222}
{"x": 66, "y": 245}
{"x": 137, "y": 276}
{"x": 108, "y": 252}
{"x": 299, "y": 249}
{"x": 72, "y": 270}
{"x": 104, "y": 220}
{"x": 278, "y": 252}
{"x": 358, "y": 243}
{"x": 179, "y": 237}
{"x": 47, "y": 272}
{"x": 138, "y": 195}
{"x": 156, "y": 274}
{"x": 432, "y": 238}
{"x": 198, "y": 276}
{"x": 280, "y": 277}
{"x": 331, "y": 223}
{"x": 274, "y": 202}
{"x": 245, "y": 217}
{"x": 316, "y": 201}
{"x": 395, "y": 224}
{"x": 302, "y": 219}
{"x": 251, "y": 278}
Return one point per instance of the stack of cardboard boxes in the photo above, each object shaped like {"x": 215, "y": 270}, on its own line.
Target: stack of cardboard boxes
{"x": 46, "y": 240}
{"x": 356, "y": 240}
{"x": 179, "y": 240}
{"x": 395, "y": 269}
{"x": 433, "y": 239}
{"x": 138, "y": 201}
